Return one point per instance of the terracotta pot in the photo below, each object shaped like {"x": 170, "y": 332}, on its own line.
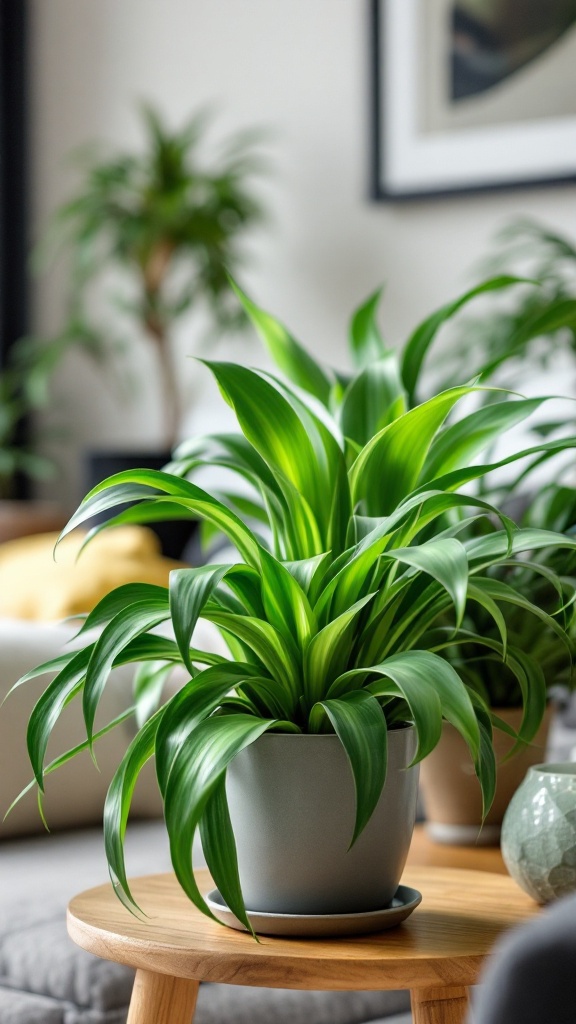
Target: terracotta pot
{"x": 451, "y": 791}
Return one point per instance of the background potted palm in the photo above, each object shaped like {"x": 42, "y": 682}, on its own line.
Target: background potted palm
{"x": 336, "y": 615}
{"x": 165, "y": 225}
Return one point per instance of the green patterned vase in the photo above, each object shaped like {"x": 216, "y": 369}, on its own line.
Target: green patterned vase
{"x": 539, "y": 832}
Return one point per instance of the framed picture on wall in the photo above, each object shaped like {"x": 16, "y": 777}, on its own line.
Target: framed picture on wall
{"x": 472, "y": 95}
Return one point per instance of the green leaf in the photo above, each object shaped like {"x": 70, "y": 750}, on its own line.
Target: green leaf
{"x": 146, "y": 485}
{"x": 232, "y": 451}
{"x": 197, "y": 771}
{"x": 461, "y": 442}
{"x": 498, "y": 590}
{"x": 420, "y": 340}
{"x": 190, "y": 589}
{"x": 360, "y": 725}
{"x": 287, "y": 353}
{"x": 287, "y": 607}
{"x": 49, "y": 707}
{"x": 445, "y": 560}
{"x": 556, "y": 315}
{"x": 241, "y": 591}
{"x": 121, "y": 598}
{"x": 485, "y": 600}
{"x": 458, "y": 477}
{"x": 389, "y": 466}
{"x": 485, "y": 551}
{"x": 149, "y": 681}
{"x": 54, "y": 665}
{"x": 290, "y": 438}
{"x": 118, "y": 801}
{"x": 124, "y": 627}
{"x": 329, "y": 651}
{"x": 272, "y": 651}
{"x": 309, "y": 573}
{"x": 219, "y": 848}
{"x": 487, "y": 760}
{"x": 190, "y": 706}
{"x": 366, "y": 342}
{"x": 374, "y": 398}
{"x": 421, "y": 676}
{"x": 68, "y": 755}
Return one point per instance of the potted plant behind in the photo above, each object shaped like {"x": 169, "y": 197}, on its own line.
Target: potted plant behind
{"x": 168, "y": 224}
{"x": 335, "y": 621}
{"x": 452, "y": 800}
{"x": 499, "y": 344}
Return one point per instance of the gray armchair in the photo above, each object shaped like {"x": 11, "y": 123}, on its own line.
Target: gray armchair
{"x": 532, "y": 975}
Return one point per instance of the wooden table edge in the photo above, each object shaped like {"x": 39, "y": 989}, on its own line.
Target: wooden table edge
{"x": 344, "y": 975}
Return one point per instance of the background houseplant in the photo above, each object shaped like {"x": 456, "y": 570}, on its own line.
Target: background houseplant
{"x": 149, "y": 236}
{"x": 335, "y": 622}
{"x": 168, "y": 223}
{"x": 536, "y": 325}
{"x": 531, "y": 324}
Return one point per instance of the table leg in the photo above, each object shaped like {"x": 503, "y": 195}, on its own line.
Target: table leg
{"x": 446, "y": 1005}
{"x": 160, "y": 999}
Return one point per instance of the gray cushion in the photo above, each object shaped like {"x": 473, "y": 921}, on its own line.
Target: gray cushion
{"x": 22, "y": 1008}
{"x": 403, "y": 1018}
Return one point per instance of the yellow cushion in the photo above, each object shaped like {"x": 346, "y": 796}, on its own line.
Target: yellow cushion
{"x": 34, "y": 586}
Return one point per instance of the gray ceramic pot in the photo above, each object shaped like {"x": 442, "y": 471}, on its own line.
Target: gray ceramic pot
{"x": 292, "y": 806}
{"x": 539, "y": 832}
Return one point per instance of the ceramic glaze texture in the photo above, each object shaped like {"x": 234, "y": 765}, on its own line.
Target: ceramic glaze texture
{"x": 539, "y": 832}
{"x": 292, "y": 806}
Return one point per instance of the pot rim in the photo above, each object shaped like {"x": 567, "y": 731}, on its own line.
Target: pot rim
{"x": 399, "y": 728}
{"x": 558, "y": 769}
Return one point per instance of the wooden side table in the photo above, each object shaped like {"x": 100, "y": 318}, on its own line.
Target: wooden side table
{"x": 426, "y": 851}
{"x": 437, "y": 953}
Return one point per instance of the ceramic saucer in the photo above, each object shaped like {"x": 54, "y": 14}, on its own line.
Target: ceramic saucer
{"x": 403, "y": 903}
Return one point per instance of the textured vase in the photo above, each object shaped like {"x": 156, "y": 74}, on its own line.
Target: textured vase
{"x": 292, "y": 805}
{"x": 539, "y": 832}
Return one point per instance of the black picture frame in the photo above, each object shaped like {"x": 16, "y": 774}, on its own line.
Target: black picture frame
{"x": 407, "y": 163}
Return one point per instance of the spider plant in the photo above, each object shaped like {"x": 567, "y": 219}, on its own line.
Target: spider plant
{"x": 336, "y": 612}
{"x": 386, "y": 384}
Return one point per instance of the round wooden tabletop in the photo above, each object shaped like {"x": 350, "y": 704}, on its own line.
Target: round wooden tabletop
{"x": 443, "y": 943}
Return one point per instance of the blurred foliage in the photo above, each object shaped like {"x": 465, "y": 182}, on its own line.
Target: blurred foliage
{"x": 533, "y": 329}
{"x": 22, "y": 391}
{"x": 547, "y": 581}
{"x": 168, "y": 226}
{"x": 534, "y": 325}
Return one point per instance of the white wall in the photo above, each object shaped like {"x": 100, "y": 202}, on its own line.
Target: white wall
{"x": 302, "y": 68}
